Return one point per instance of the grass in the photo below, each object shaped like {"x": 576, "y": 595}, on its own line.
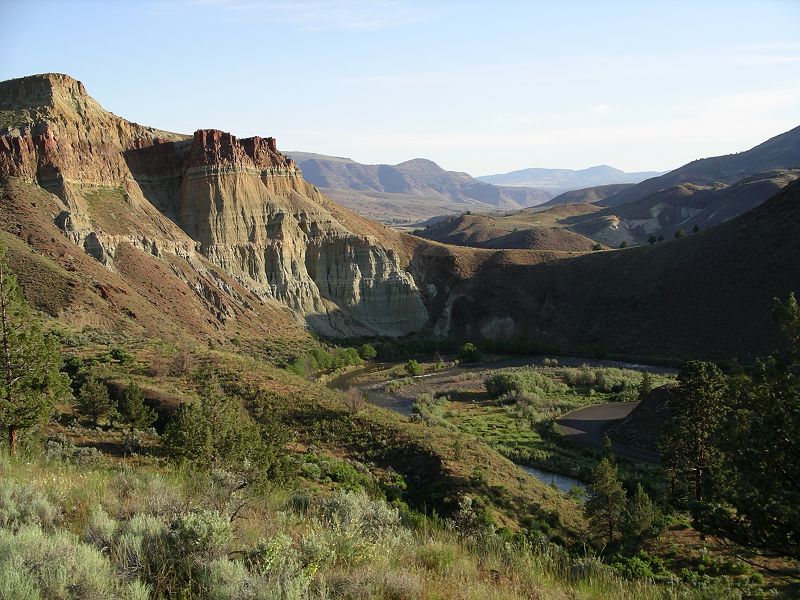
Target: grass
{"x": 162, "y": 532}
{"x": 46, "y": 284}
{"x": 518, "y": 424}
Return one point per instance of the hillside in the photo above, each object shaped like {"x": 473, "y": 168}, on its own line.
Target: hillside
{"x": 414, "y": 190}
{"x": 244, "y": 246}
{"x": 684, "y": 206}
{"x": 506, "y": 232}
{"x": 590, "y": 194}
{"x": 680, "y": 299}
{"x": 560, "y": 180}
{"x": 779, "y": 152}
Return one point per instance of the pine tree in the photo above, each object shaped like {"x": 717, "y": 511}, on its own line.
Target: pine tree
{"x": 605, "y": 504}
{"x": 30, "y": 363}
{"x": 640, "y": 516}
{"x": 696, "y": 408}
{"x": 93, "y": 401}
{"x": 133, "y": 409}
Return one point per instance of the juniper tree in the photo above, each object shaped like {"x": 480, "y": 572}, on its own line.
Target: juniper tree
{"x": 30, "y": 363}
{"x": 94, "y": 401}
{"x": 216, "y": 430}
{"x": 605, "y": 503}
{"x": 640, "y": 515}
{"x": 188, "y": 437}
{"x": 133, "y": 409}
{"x": 755, "y": 499}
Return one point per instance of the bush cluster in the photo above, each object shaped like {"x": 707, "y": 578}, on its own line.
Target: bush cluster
{"x": 513, "y": 383}
{"x": 321, "y": 359}
{"x": 607, "y": 379}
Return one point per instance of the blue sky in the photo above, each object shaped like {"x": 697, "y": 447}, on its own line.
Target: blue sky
{"x": 481, "y": 87}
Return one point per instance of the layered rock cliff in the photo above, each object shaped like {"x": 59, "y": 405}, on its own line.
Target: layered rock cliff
{"x": 239, "y": 204}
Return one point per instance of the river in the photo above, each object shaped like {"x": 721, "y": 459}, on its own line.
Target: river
{"x": 396, "y": 402}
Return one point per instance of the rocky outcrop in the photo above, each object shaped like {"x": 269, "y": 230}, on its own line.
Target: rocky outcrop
{"x": 239, "y": 203}
{"x": 253, "y": 214}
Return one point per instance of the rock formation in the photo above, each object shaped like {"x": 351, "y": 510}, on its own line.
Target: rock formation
{"x": 240, "y": 204}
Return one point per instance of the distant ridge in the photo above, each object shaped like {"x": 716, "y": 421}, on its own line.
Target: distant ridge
{"x": 589, "y": 194}
{"x": 779, "y": 152}
{"x": 416, "y": 189}
{"x": 562, "y": 180}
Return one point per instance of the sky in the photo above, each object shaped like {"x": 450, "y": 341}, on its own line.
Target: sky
{"x": 482, "y": 87}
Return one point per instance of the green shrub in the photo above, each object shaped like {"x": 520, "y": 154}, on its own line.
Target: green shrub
{"x": 367, "y": 352}
{"x": 513, "y": 383}
{"x": 351, "y": 529}
{"x": 202, "y": 534}
{"x": 59, "y": 449}
{"x": 430, "y": 409}
{"x": 36, "y": 564}
{"x": 121, "y": 355}
{"x": 412, "y": 367}
{"x": 607, "y": 380}
{"x": 469, "y": 353}
{"x": 634, "y": 568}
{"x": 24, "y": 505}
{"x": 100, "y": 528}
{"x": 321, "y": 359}
{"x": 437, "y": 557}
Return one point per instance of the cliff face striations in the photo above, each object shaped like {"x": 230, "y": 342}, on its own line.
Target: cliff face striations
{"x": 211, "y": 199}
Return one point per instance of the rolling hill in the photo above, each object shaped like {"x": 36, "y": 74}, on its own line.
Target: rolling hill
{"x": 590, "y": 194}
{"x": 686, "y": 206}
{"x": 413, "y": 190}
{"x": 681, "y": 299}
{"x": 516, "y": 231}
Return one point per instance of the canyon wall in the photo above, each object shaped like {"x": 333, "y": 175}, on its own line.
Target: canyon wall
{"x": 239, "y": 203}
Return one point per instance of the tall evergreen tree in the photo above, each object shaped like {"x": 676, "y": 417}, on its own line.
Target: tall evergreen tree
{"x": 605, "y": 504}
{"x": 30, "y": 363}
{"x": 696, "y": 410}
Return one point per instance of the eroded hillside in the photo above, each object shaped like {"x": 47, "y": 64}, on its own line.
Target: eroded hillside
{"x": 219, "y": 204}
{"x": 213, "y": 237}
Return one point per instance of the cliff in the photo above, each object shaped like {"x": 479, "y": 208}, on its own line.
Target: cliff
{"x": 240, "y": 205}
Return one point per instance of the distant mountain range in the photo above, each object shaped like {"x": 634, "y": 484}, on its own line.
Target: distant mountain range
{"x": 562, "y": 180}
{"x": 698, "y": 195}
{"x": 413, "y": 190}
